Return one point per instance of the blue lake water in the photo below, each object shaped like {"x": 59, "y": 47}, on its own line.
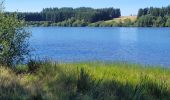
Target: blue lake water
{"x": 135, "y": 45}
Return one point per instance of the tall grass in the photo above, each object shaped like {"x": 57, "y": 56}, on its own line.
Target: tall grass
{"x": 85, "y": 81}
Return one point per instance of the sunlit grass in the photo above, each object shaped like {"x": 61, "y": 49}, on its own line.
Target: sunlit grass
{"x": 85, "y": 81}
{"x": 132, "y": 18}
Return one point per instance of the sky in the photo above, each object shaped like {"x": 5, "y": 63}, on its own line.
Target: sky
{"x": 128, "y": 7}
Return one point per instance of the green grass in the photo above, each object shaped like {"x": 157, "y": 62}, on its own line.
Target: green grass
{"x": 122, "y": 18}
{"x": 85, "y": 81}
{"x": 123, "y": 21}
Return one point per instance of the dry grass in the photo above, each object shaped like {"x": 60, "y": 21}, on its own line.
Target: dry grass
{"x": 122, "y": 18}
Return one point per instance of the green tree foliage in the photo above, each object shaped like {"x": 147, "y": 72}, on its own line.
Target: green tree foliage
{"x": 62, "y": 14}
{"x": 157, "y": 17}
{"x": 159, "y": 22}
{"x": 168, "y": 22}
{"x": 13, "y": 40}
{"x": 145, "y": 21}
{"x": 140, "y": 13}
{"x": 154, "y": 11}
{"x": 72, "y": 22}
{"x": 127, "y": 22}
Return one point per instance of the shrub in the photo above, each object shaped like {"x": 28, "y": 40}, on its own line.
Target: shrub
{"x": 13, "y": 40}
{"x": 84, "y": 81}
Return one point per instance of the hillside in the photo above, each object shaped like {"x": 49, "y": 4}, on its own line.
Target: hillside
{"x": 122, "y": 18}
{"x": 123, "y": 21}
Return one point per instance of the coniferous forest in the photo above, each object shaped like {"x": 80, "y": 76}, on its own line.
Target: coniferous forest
{"x": 157, "y": 17}
{"x": 103, "y": 17}
{"x": 82, "y": 14}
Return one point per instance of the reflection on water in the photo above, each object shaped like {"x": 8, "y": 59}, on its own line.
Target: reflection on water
{"x": 128, "y": 40}
{"x": 128, "y": 36}
{"x": 135, "y": 45}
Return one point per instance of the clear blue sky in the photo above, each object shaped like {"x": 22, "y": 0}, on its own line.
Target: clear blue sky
{"x": 127, "y": 6}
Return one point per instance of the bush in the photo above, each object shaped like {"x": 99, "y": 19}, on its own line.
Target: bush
{"x": 84, "y": 81}
{"x": 13, "y": 40}
{"x": 33, "y": 65}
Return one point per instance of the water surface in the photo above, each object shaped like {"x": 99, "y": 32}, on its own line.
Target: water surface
{"x": 135, "y": 45}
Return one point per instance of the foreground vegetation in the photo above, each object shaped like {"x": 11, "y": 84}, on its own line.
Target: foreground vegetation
{"x": 14, "y": 39}
{"x": 47, "y": 80}
{"x": 84, "y": 81}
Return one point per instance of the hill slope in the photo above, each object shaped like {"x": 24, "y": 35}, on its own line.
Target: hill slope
{"x": 122, "y": 18}
{"x": 123, "y": 21}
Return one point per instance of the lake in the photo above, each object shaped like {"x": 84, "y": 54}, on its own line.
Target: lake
{"x": 134, "y": 45}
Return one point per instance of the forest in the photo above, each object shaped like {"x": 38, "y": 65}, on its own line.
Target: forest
{"x": 146, "y": 17}
{"x": 103, "y": 17}
{"x": 83, "y": 13}
{"x": 154, "y": 17}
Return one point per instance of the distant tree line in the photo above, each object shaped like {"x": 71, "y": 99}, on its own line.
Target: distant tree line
{"x": 85, "y": 16}
{"x": 154, "y": 17}
{"x": 62, "y": 14}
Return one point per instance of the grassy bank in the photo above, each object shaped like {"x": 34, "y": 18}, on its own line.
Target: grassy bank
{"x": 85, "y": 81}
{"x": 123, "y": 18}
{"x": 123, "y": 21}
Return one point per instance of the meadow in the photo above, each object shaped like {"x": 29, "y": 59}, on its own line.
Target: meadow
{"x": 84, "y": 81}
{"x": 122, "y": 19}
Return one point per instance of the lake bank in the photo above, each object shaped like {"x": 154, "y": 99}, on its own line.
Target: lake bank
{"x": 123, "y": 21}
{"x": 85, "y": 81}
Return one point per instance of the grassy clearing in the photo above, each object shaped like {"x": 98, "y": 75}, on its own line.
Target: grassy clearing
{"x": 122, "y": 19}
{"x": 85, "y": 81}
